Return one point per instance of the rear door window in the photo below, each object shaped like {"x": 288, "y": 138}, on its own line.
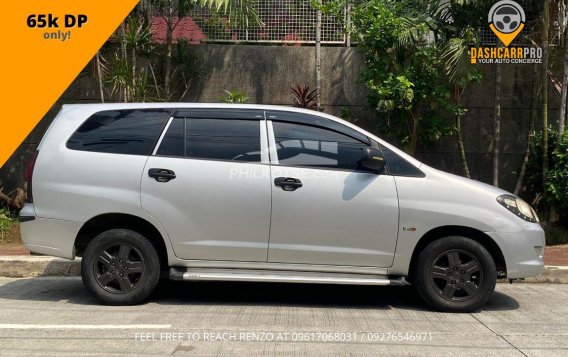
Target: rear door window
{"x": 212, "y": 136}
{"x": 223, "y": 139}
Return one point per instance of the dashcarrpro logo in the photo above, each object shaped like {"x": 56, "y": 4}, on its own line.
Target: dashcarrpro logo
{"x": 506, "y": 19}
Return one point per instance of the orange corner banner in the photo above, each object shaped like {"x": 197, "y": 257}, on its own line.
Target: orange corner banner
{"x": 47, "y": 43}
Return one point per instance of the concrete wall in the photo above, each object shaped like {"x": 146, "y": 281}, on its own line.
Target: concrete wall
{"x": 266, "y": 74}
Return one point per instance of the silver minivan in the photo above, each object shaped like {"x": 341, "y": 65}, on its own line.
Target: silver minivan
{"x": 263, "y": 193}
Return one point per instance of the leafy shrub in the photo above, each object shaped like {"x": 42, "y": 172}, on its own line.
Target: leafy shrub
{"x": 557, "y": 181}
{"x": 404, "y": 73}
{"x": 303, "y": 97}
{"x": 6, "y": 222}
{"x": 345, "y": 114}
{"x": 235, "y": 97}
{"x": 555, "y": 193}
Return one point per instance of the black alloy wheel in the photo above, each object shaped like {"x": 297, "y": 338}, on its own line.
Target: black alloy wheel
{"x": 120, "y": 267}
{"x": 457, "y": 275}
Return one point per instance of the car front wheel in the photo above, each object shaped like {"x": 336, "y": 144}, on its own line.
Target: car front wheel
{"x": 455, "y": 274}
{"x": 120, "y": 267}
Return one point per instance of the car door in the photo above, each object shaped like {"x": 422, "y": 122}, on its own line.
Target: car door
{"x": 326, "y": 209}
{"x": 208, "y": 184}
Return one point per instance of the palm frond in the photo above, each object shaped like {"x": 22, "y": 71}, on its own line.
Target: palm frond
{"x": 457, "y": 63}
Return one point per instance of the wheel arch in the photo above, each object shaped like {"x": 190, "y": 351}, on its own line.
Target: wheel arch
{"x": 446, "y": 231}
{"x": 107, "y": 221}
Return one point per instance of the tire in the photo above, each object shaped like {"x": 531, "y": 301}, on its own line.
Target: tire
{"x": 448, "y": 286}
{"x": 120, "y": 267}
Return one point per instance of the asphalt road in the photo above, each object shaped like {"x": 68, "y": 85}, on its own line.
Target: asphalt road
{"x": 47, "y": 316}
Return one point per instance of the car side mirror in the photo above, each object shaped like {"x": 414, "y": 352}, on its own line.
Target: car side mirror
{"x": 373, "y": 160}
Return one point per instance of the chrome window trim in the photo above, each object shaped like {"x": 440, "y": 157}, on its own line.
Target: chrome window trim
{"x": 271, "y": 143}
{"x": 154, "y": 153}
{"x": 264, "y": 156}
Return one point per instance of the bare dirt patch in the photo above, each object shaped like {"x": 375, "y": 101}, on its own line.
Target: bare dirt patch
{"x": 11, "y": 236}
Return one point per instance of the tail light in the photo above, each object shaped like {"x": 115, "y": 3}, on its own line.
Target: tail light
{"x": 28, "y": 177}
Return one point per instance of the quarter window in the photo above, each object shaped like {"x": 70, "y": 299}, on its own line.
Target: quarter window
{"x": 132, "y": 132}
{"x": 305, "y": 145}
{"x": 397, "y": 166}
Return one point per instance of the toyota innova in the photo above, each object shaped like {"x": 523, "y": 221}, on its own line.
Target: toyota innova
{"x": 263, "y": 193}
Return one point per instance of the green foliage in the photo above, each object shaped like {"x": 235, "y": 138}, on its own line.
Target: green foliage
{"x": 556, "y": 235}
{"x": 7, "y": 220}
{"x": 235, "y": 97}
{"x": 404, "y": 73}
{"x": 185, "y": 67}
{"x": 137, "y": 33}
{"x": 393, "y": 92}
{"x": 164, "y": 72}
{"x": 142, "y": 91}
{"x": 557, "y": 181}
{"x": 331, "y": 8}
{"x": 238, "y": 13}
{"x": 123, "y": 72}
{"x": 120, "y": 73}
{"x": 417, "y": 59}
{"x": 555, "y": 193}
{"x": 345, "y": 114}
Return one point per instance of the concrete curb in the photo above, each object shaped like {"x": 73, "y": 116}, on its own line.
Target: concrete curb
{"x": 19, "y": 266}
{"x": 551, "y": 275}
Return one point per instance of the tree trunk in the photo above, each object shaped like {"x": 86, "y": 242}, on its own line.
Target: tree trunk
{"x": 169, "y": 44}
{"x": 14, "y": 200}
{"x": 124, "y": 58}
{"x": 562, "y": 115}
{"x": 133, "y": 60}
{"x": 461, "y": 147}
{"x": 318, "y": 58}
{"x": 531, "y": 132}
{"x": 459, "y": 139}
{"x": 545, "y": 23}
{"x": 497, "y": 125}
{"x": 99, "y": 76}
{"x": 415, "y": 115}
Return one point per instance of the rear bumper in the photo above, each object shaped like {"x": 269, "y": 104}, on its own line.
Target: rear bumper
{"x": 523, "y": 251}
{"x": 48, "y": 236}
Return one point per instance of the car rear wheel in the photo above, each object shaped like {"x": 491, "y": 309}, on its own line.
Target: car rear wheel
{"x": 455, "y": 274}
{"x": 120, "y": 267}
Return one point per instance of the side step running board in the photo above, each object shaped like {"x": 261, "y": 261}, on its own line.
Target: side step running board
{"x": 281, "y": 276}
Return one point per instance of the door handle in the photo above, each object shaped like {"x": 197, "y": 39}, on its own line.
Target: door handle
{"x": 162, "y": 175}
{"x": 288, "y": 183}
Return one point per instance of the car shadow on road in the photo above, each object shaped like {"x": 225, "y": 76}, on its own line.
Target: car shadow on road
{"x": 170, "y": 292}
{"x": 288, "y": 294}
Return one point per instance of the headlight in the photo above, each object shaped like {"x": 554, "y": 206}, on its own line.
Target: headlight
{"x": 518, "y": 207}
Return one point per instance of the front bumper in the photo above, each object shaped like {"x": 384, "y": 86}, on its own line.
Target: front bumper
{"x": 523, "y": 251}
{"x": 48, "y": 236}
